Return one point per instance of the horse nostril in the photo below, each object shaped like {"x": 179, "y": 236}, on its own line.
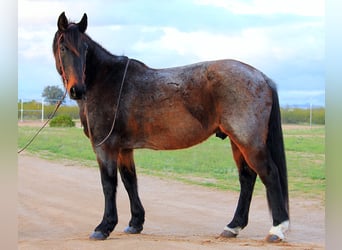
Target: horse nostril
{"x": 77, "y": 92}
{"x": 73, "y": 93}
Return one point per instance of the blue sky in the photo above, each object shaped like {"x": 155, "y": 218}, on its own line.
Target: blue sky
{"x": 284, "y": 39}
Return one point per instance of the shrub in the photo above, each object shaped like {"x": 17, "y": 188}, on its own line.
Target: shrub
{"x": 62, "y": 121}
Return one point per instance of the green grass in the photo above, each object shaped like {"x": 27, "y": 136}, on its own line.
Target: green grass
{"x": 58, "y": 144}
{"x": 208, "y": 164}
{"x": 305, "y": 150}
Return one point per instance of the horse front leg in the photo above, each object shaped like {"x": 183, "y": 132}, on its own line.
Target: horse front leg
{"x": 108, "y": 170}
{"x": 129, "y": 179}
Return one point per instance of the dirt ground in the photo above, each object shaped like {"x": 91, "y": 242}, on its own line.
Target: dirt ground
{"x": 59, "y": 204}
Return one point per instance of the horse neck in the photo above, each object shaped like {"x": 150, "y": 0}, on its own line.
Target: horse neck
{"x": 103, "y": 71}
{"x": 100, "y": 57}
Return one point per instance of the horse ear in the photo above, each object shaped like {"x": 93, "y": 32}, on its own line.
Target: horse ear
{"x": 62, "y": 22}
{"x": 82, "y": 25}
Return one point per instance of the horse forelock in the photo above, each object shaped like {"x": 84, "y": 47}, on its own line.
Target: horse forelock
{"x": 71, "y": 37}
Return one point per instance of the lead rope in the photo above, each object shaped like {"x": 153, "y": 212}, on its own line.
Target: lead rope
{"x": 115, "y": 115}
{"x": 44, "y": 125}
{"x": 58, "y": 103}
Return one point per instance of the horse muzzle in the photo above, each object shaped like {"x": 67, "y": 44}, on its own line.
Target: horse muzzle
{"x": 77, "y": 91}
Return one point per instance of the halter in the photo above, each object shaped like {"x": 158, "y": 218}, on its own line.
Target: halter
{"x": 115, "y": 114}
{"x": 61, "y": 66}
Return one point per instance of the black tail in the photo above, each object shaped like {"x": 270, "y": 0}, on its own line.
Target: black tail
{"x": 275, "y": 143}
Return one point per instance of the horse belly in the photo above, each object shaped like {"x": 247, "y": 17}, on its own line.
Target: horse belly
{"x": 177, "y": 138}
{"x": 166, "y": 129}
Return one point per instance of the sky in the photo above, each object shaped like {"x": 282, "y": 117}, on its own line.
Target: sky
{"x": 283, "y": 39}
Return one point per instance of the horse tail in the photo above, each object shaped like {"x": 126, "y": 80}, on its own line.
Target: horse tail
{"x": 275, "y": 143}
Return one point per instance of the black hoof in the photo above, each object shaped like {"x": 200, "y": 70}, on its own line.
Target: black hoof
{"x": 97, "y": 235}
{"x": 228, "y": 234}
{"x": 132, "y": 230}
{"x": 272, "y": 238}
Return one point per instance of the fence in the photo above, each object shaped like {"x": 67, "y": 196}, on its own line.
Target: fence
{"x": 310, "y": 115}
{"x": 41, "y": 110}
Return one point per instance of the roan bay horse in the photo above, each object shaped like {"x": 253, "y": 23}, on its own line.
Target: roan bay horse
{"x": 126, "y": 105}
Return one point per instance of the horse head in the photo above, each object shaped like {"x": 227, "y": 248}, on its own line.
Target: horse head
{"x": 70, "y": 52}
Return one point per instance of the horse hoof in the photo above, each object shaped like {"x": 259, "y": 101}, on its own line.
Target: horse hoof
{"x": 97, "y": 235}
{"x": 272, "y": 238}
{"x": 132, "y": 230}
{"x": 228, "y": 234}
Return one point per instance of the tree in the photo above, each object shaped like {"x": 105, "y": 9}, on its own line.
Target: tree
{"x": 52, "y": 94}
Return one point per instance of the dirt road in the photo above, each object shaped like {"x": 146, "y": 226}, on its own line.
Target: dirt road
{"x": 59, "y": 204}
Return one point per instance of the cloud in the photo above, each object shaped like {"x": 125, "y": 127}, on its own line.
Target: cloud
{"x": 35, "y": 43}
{"x": 266, "y": 7}
{"x": 204, "y": 45}
{"x": 262, "y": 46}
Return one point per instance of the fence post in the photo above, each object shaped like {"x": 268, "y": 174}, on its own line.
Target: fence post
{"x": 310, "y": 114}
{"x": 21, "y": 109}
{"x": 42, "y": 110}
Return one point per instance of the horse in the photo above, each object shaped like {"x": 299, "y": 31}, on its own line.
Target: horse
{"x": 126, "y": 105}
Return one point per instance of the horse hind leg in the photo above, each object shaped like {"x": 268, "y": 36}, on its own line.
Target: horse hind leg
{"x": 262, "y": 163}
{"x": 129, "y": 179}
{"x": 276, "y": 201}
{"x": 247, "y": 179}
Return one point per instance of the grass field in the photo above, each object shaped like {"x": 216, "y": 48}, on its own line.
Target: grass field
{"x": 209, "y": 164}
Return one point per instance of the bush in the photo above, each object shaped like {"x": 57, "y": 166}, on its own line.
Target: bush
{"x": 62, "y": 121}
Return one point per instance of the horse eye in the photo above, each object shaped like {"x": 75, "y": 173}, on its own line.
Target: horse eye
{"x": 62, "y": 48}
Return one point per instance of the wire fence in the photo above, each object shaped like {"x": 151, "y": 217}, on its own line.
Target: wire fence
{"x": 29, "y": 110}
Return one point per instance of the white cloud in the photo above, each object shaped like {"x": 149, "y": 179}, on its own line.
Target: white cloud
{"x": 261, "y": 7}
{"x": 259, "y": 46}
{"x": 311, "y": 93}
{"x": 33, "y": 44}
{"x": 33, "y": 12}
{"x": 203, "y": 45}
